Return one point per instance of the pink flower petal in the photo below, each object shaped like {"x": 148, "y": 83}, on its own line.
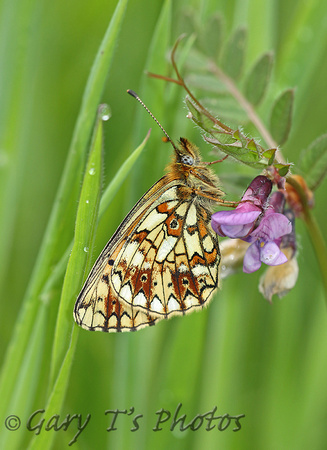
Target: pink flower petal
{"x": 235, "y": 224}
{"x": 251, "y": 261}
{"x": 271, "y": 254}
{"x": 272, "y": 226}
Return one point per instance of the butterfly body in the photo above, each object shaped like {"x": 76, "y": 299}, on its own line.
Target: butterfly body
{"x": 163, "y": 259}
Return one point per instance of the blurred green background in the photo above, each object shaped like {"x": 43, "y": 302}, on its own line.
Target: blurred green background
{"x": 241, "y": 354}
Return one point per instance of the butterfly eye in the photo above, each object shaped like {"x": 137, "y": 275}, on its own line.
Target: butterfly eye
{"x": 187, "y": 159}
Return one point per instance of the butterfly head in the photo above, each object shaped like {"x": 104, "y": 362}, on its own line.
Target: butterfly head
{"x": 186, "y": 153}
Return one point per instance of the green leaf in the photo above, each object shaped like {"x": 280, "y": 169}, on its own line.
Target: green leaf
{"x": 313, "y": 162}
{"x": 241, "y": 137}
{"x": 270, "y": 155}
{"x": 281, "y": 116}
{"x": 257, "y": 81}
{"x": 254, "y": 147}
{"x": 187, "y": 22}
{"x": 196, "y": 62}
{"x": 234, "y": 54}
{"x": 206, "y": 82}
{"x": 224, "y": 138}
{"x": 226, "y": 108}
{"x": 241, "y": 154}
{"x": 198, "y": 116}
{"x": 283, "y": 169}
{"x": 212, "y": 38}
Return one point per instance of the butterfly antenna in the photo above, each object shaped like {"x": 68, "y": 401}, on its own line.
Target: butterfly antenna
{"x": 134, "y": 94}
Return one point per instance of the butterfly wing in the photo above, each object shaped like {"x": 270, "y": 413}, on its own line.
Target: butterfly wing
{"x": 169, "y": 263}
{"x": 97, "y": 306}
{"x": 162, "y": 260}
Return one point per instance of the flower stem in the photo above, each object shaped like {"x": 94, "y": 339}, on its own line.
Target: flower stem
{"x": 315, "y": 234}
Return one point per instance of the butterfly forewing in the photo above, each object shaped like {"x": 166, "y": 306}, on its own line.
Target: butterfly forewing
{"x": 169, "y": 264}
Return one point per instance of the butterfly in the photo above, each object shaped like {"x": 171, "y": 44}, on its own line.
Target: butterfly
{"x": 163, "y": 259}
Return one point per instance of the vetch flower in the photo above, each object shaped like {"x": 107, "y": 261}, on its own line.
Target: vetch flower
{"x": 258, "y": 222}
{"x": 240, "y": 222}
{"x": 266, "y": 238}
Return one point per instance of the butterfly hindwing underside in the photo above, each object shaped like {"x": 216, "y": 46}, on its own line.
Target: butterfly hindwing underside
{"x": 163, "y": 259}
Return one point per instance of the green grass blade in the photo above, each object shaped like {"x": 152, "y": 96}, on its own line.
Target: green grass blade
{"x": 120, "y": 176}
{"x": 80, "y": 256}
{"x": 52, "y": 248}
{"x": 153, "y": 93}
{"x": 14, "y": 29}
{"x": 28, "y": 382}
{"x": 57, "y": 396}
{"x": 106, "y": 199}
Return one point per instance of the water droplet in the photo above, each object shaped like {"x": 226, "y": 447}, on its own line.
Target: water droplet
{"x": 92, "y": 171}
{"x": 86, "y": 249}
{"x": 87, "y": 201}
{"x": 104, "y": 112}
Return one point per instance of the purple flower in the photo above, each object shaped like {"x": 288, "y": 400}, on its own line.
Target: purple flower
{"x": 257, "y": 223}
{"x": 240, "y": 222}
{"x": 237, "y": 223}
{"x": 266, "y": 238}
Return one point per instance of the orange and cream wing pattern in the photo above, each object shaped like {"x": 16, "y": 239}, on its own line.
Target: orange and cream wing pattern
{"x": 163, "y": 260}
{"x": 98, "y": 308}
{"x": 169, "y": 263}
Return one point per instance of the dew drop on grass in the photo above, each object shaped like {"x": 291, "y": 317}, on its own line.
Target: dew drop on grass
{"x": 104, "y": 112}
